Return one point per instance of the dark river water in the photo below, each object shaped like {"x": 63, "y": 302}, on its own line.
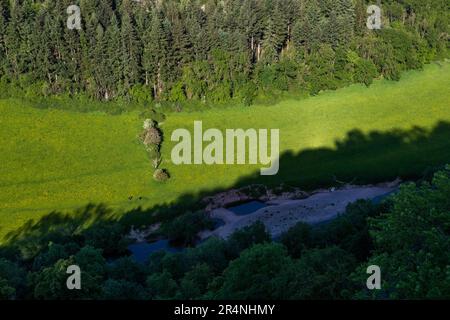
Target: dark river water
{"x": 140, "y": 252}
{"x": 247, "y": 208}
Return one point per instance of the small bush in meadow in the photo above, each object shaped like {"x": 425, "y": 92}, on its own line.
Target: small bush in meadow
{"x": 149, "y": 123}
{"x": 161, "y": 175}
{"x": 152, "y": 136}
{"x": 153, "y": 151}
{"x": 156, "y": 162}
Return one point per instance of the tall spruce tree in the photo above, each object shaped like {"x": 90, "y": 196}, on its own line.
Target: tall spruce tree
{"x": 129, "y": 52}
{"x": 182, "y": 47}
{"x": 3, "y": 26}
{"x": 307, "y": 31}
{"x": 113, "y": 57}
{"x": 155, "y": 54}
{"x": 275, "y": 33}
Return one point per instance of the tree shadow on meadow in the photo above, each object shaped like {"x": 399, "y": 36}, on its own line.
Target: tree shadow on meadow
{"x": 358, "y": 158}
{"x": 364, "y": 158}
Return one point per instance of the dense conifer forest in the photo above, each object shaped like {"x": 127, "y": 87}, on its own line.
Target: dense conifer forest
{"x": 211, "y": 51}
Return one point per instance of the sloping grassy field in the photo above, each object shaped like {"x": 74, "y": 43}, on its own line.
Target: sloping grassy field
{"x": 59, "y": 160}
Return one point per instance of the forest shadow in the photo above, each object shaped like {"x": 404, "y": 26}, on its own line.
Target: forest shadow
{"x": 364, "y": 158}
{"x": 358, "y": 158}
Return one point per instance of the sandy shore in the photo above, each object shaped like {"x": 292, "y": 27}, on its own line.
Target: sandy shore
{"x": 280, "y": 215}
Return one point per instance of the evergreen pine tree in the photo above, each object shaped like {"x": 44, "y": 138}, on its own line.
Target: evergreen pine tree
{"x": 307, "y": 30}
{"x": 182, "y": 47}
{"x": 129, "y": 53}
{"x": 155, "y": 54}
{"x": 275, "y": 34}
{"x": 3, "y": 27}
{"x": 13, "y": 42}
{"x": 113, "y": 58}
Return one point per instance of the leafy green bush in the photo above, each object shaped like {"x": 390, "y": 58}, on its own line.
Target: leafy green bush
{"x": 297, "y": 239}
{"x": 141, "y": 93}
{"x": 185, "y": 228}
{"x": 246, "y": 237}
{"x": 412, "y": 244}
{"x": 365, "y": 71}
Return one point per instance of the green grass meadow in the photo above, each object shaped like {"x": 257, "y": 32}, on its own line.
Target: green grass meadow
{"x": 60, "y": 160}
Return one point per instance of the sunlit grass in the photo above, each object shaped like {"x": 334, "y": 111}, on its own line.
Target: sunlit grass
{"x": 60, "y": 160}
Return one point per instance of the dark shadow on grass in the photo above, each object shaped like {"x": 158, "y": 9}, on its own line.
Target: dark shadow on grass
{"x": 364, "y": 158}
{"x": 360, "y": 158}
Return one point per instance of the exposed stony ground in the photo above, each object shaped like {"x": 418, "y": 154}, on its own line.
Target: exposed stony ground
{"x": 140, "y": 235}
{"x": 282, "y": 214}
{"x": 264, "y": 194}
